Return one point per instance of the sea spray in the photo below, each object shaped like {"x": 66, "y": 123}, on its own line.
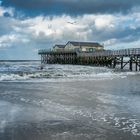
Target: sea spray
{"x": 30, "y": 72}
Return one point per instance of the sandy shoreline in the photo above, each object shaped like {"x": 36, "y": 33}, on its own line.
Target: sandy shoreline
{"x": 84, "y": 110}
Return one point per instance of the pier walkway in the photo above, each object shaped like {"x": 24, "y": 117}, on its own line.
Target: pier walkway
{"x": 129, "y": 58}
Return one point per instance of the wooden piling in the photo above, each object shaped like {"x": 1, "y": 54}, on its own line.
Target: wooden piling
{"x": 130, "y": 64}
{"x": 122, "y": 62}
{"x": 97, "y": 58}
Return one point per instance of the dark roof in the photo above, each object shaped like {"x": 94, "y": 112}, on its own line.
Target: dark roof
{"x": 95, "y": 44}
{"x": 59, "y": 46}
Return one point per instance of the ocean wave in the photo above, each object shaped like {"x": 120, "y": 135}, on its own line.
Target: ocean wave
{"x": 57, "y": 73}
{"x": 62, "y": 77}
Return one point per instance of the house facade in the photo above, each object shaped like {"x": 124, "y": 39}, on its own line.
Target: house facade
{"x": 83, "y": 46}
{"x": 58, "y": 48}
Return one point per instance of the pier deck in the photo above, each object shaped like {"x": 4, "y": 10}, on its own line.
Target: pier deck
{"x": 109, "y": 58}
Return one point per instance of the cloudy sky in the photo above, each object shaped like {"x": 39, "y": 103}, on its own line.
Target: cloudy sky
{"x": 29, "y": 25}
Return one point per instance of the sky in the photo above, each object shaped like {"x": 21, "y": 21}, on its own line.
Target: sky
{"x": 29, "y": 25}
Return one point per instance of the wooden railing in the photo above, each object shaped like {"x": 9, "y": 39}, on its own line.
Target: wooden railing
{"x": 123, "y": 52}
{"x": 45, "y": 51}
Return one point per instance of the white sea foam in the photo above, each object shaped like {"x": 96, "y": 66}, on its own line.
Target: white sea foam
{"x": 12, "y": 77}
{"x": 123, "y": 123}
{"x": 58, "y": 73}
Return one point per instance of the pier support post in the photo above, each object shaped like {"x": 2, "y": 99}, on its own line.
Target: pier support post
{"x": 122, "y": 62}
{"x": 41, "y": 59}
{"x": 130, "y": 64}
{"x": 136, "y": 63}
{"x": 114, "y": 63}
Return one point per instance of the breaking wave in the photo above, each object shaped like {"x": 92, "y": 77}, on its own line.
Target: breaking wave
{"x": 31, "y": 72}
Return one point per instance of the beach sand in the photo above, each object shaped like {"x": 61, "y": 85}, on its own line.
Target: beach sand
{"x": 106, "y": 109}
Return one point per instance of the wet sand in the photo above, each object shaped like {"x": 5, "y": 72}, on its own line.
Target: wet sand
{"x": 78, "y": 110}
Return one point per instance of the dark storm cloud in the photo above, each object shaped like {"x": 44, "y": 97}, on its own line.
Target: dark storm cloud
{"x": 73, "y": 7}
{"x": 122, "y": 35}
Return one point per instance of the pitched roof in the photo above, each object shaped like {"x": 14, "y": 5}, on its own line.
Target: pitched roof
{"x": 95, "y": 44}
{"x": 59, "y": 46}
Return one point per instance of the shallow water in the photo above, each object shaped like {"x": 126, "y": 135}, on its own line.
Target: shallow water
{"x": 77, "y": 103}
{"x": 30, "y": 72}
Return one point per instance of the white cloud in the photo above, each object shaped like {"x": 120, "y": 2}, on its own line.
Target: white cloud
{"x": 8, "y": 38}
{"x": 44, "y": 32}
{"x": 110, "y": 42}
{"x": 104, "y": 21}
{"x": 1, "y": 11}
{"x": 12, "y": 39}
{"x": 4, "y": 10}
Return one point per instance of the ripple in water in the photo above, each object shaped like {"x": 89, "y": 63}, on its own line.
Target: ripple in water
{"x": 30, "y": 71}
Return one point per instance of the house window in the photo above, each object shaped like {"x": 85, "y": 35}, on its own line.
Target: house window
{"x": 92, "y": 49}
{"x": 77, "y": 49}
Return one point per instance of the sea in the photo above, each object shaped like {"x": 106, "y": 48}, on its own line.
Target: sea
{"x": 68, "y": 102}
